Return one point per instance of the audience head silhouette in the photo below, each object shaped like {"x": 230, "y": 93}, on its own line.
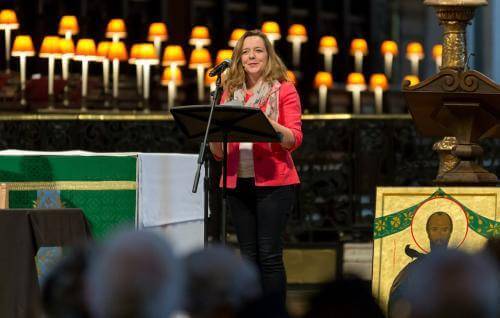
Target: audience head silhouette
{"x": 453, "y": 284}
{"x": 219, "y": 283}
{"x": 63, "y": 288}
{"x": 135, "y": 275}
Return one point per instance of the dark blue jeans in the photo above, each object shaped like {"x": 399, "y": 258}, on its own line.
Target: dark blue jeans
{"x": 259, "y": 216}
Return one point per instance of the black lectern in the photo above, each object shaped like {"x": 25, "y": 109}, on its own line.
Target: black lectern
{"x": 229, "y": 124}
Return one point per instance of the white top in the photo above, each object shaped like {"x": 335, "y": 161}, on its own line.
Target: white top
{"x": 245, "y": 166}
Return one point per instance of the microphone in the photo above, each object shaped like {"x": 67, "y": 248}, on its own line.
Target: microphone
{"x": 217, "y": 70}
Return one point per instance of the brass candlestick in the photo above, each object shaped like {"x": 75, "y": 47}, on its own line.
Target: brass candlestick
{"x": 458, "y": 103}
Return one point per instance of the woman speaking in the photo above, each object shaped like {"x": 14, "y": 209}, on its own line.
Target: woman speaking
{"x": 261, "y": 175}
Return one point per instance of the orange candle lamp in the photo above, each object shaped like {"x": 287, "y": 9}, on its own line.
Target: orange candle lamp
{"x": 116, "y": 30}
{"x": 200, "y": 60}
{"x": 356, "y": 84}
{"x": 68, "y": 26}
{"x": 8, "y": 22}
{"x": 297, "y": 34}
{"x": 378, "y": 84}
{"x": 272, "y": 30}
{"x": 328, "y": 47}
{"x": 415, "y": 53}
{"x": 389, "y": 50}
{"x": 323, "y": 81}
{"x": 200, "y": 37}
{"x": 359, "y": 49}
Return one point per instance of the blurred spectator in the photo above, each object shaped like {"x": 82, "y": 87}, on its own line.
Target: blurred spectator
{"x": 346, "y": 298}
{"x": 219, "y": 283}
{"x": 492, "y": 248}
{"x": 63, "y": 288}
{"x": 452, "y": 284}
{"x": 135, "y": 276}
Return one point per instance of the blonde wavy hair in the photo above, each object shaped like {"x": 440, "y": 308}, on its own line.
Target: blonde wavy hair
{"x": 275, "y": 68}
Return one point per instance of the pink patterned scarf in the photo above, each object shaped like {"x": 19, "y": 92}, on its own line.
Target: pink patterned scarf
{"x": 267, "y": 93}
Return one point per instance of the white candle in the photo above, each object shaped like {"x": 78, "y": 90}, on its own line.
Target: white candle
{"x": 296, "y": 52}
{"x": 65, "y": 67}
{"x": 116, "y": 72}
{"x": 439, "y": 62}
{"x": 356, "y": 101}
{"x": 22, "y": 62}
{"x": 379, "y": 93}
{"x": 85, "y": 74}
{"x": 171, "y": 94}
{"x": 105, "y": 75}
{"x": 138, "y": 73}
{"x": 328, "y": 61}
{"x": 322, "y": 90}
{"x": 388, "y": 58}
{"x": 358, "y": 59}
{"x": 201, "y": 91}
{"x": 414, "y": 64}
{"x": 146, "y": 81}
{"x": 157, "y": 44}
{"x": 7, "y": 49}
{"x": 51, "y": 74}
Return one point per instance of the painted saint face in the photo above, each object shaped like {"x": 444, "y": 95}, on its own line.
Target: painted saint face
{"x": 254, "y": 56}
{"x": 439, "y": 230}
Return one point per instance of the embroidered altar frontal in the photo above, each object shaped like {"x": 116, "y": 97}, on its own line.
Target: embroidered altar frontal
{"x": 411, "y": 222}
{"x": 104, "y": 187}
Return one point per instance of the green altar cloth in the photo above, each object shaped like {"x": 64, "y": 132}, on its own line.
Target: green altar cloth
{"x": 103, "y": 186}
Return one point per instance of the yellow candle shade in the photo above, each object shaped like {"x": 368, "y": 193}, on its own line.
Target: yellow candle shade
{"x": 68, "y": 24}
{"x": 272, "y": 30}
{"x": 147, "y": 54}
{"x": 297, "y": 32}
{"x": 437, "y": 51}
{"x": 355, "y": 81}
{"x": 200, "y": 35}
{"x": 117, "y": 51}
{"x": 8, "y": 19}
{"x": 67, "y": 47}
{"x": 209, "y": 79}
{"x": 134, "y": 52}
{"x": 328, "y": 44}
{"x": 379, "y": 80}
{"x": 323, "y": 79}
{"x": 102, "y": 49}
{"x": 291, "y": 77}
{"x": 168, "y": 76}
{"x": 235, "y": 36}
{"x": 85, "y": 49}
{"x": 414, "y": 49}
{"x": 223, "y": 55}
{"x": 389, "y": 47}
{"x": 157, "y": 30}
{"x": 50, "y": 46}
{"x": 200, "y": 57}
{"x": 414, "y": 80}
{"x": 359, "y": 45}
{"x": 23, "y": 45}
{"x": 116, "y": 28}
{"x": 173, "y": 54}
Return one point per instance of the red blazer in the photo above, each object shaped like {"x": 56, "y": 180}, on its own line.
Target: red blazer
{"x": 273, "y": 165}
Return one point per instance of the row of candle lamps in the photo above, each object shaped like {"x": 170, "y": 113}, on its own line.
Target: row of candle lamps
{"x": 146, "y": 54}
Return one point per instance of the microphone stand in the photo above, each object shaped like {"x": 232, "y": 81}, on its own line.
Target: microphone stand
{"x": 202, "y": 159}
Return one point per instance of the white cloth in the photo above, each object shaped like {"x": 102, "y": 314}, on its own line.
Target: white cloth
{"x": 185, "y": 237}
{"x": 164, "y": 194}
{"x": 245, "y": 166}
